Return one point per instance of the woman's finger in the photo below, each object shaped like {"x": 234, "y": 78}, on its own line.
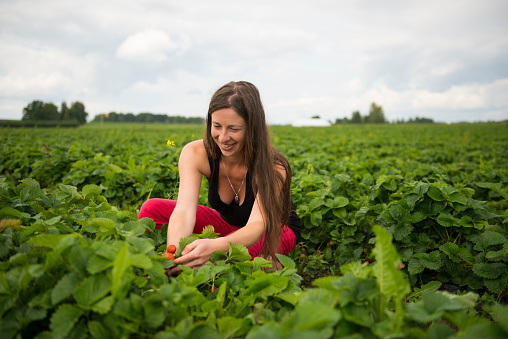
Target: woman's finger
{"x": 173, "y": 271}
{"x": 190, "y": 247}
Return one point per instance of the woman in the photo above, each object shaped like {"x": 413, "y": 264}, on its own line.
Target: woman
{"x": 249, "y": 184}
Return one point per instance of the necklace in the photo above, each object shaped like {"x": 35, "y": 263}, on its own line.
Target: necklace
{"x": 236, "y": 193}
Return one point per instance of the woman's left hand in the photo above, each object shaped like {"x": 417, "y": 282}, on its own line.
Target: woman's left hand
{"x": 196, "y": 254}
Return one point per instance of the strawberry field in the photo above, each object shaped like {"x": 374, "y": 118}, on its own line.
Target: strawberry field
{"x": 404, "y": 235}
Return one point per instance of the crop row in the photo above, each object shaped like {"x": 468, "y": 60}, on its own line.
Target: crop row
{"x": 439, "y": 191}
{"x": 74, "y": 266}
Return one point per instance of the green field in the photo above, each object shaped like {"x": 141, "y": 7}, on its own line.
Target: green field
{"x": 404, "y": 234}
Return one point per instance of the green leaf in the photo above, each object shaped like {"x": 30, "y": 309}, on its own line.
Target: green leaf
{"x": 489, "y": 270}
{"x": 316, "y": 295}
{"x": 466, "y": 255}
{"x": 92, "y": 289}
{"x": 97, "y": 330}
{"x": 141, "y": 261}
{"x": 312, "y": 316}
{"x": 115, "y": 168}
{"x": 70, "y": 191}
{"x": 316, "y": 203}
{"x": 421, "y": 188}
{"x": 79, "y": 258}
{"x": 418, "y": 216}
{"x": 268, "y": 331}
{"x": 498, "y": 284}
{"x": 339, "y": 202}
{"x": 435, "y": 301}
{"x": 98, "y": 263}
{"x": 392, "y": 282}
{"x": 435, "y": 193}
{"x": 447, "y": 220}
{"x": 432, "y": 286}
{"x": 104, "y": 305}
{"x": 64, "y": 319}
{"x": 412, "y": 199}
{"x": 91, "y": 189}
{"x": 141, "y": 244}
{"x": 466, "y": 221}
{"x": 430, "y": 260}
{"x": 316, "y": 218}
{"x": 120, "y": 266}
{"x": 500, "y": 316}
{"x": 474, "y": 282}
{"x": 398, "y": 213}
{"x": 496, "y": 187}
{"x": 64, "y": 288}
{"x": 46, "y": 240}
{"x": 458, "y": 198}
{"x": 132, "y": 228}
{"x": 9, "y": 212}
{"x": 287, "y": 262}
{"x": 495, "y": 255}
{"x": 452, "y": 251}
{"x": 238, "y": 253}
{"x": 402, "y": 230}
{"x": 104, "y": 226}
{"x": 264, "y": 286}
{"x": 487, "y": 239}
{"x": 228, "y": 326}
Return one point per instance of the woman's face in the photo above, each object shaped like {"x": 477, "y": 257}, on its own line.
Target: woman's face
{"x": 228, "y": 131}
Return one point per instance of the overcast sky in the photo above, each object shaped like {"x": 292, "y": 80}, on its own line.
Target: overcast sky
{"x": 445, "y": 60}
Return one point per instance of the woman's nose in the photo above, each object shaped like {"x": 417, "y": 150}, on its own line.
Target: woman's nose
{"x": 223, "y": 136}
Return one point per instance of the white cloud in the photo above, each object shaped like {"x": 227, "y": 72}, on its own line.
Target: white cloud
{"x": 147, "y": 45}
{"x": 324, "y": 58}
{"x": 44, "y": 72}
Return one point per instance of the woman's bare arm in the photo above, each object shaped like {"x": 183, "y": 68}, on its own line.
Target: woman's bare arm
{"x": 191, "y": 166}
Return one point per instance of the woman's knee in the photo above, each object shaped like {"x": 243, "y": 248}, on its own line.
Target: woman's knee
{"x": 157, "y": 209}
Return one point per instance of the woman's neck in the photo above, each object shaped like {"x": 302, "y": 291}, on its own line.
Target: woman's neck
{"x": 234, "y": 161}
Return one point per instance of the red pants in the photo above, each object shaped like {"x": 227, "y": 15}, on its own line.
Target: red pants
{"x": 160, "y": 211}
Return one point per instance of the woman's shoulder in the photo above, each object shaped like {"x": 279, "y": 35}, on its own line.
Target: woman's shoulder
{"x": 195, "y": 146}
{"x": 195, "y": 152}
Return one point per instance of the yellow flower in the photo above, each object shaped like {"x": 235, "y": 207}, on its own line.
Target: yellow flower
{"x": 170, "y": 143}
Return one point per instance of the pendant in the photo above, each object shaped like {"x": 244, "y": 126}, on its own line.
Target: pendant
{"x": 236, "y": 198}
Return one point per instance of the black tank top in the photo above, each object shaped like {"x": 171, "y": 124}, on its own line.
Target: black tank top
{"x": 235, "y": 214}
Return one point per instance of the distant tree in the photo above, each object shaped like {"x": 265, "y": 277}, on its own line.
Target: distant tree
{"x": 37, "y": 110}
{"x": 64, "y": 111}
{"x": 49, "y": 112}
{"x": 423, "y": 120}
{"x": 356, "y": 118}
{"x": 77, "y": 112}
{"x": 316, "y": 117}
{"x": 341, "y": 121}
{"x": 147, "y": 118}
{"x": 31, "y": 111}
{"x": 130, "y": 117}
{"x": 376, "y": 115}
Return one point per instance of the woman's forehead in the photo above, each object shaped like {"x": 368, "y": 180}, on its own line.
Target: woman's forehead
{"x": 227, "y": 116}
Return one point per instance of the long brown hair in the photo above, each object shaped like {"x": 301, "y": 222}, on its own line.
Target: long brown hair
{"x": 261, "y": 157}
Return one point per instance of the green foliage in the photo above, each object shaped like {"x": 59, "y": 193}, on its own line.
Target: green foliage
{"x": 147, "y": 118}
{"x": 38, "y": 111}
{"x": 403, "y": 210}
{"x": 94, "y": 272}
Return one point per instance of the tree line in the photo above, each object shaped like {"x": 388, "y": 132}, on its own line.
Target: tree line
{"x": 47, "y": 111}
{"x": 377, "y": 116}
{"x": 39, "y": 112}
{"x": 147, "y": 118}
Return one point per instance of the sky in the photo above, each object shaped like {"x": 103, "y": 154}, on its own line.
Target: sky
{"x": 444, "y": 60}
